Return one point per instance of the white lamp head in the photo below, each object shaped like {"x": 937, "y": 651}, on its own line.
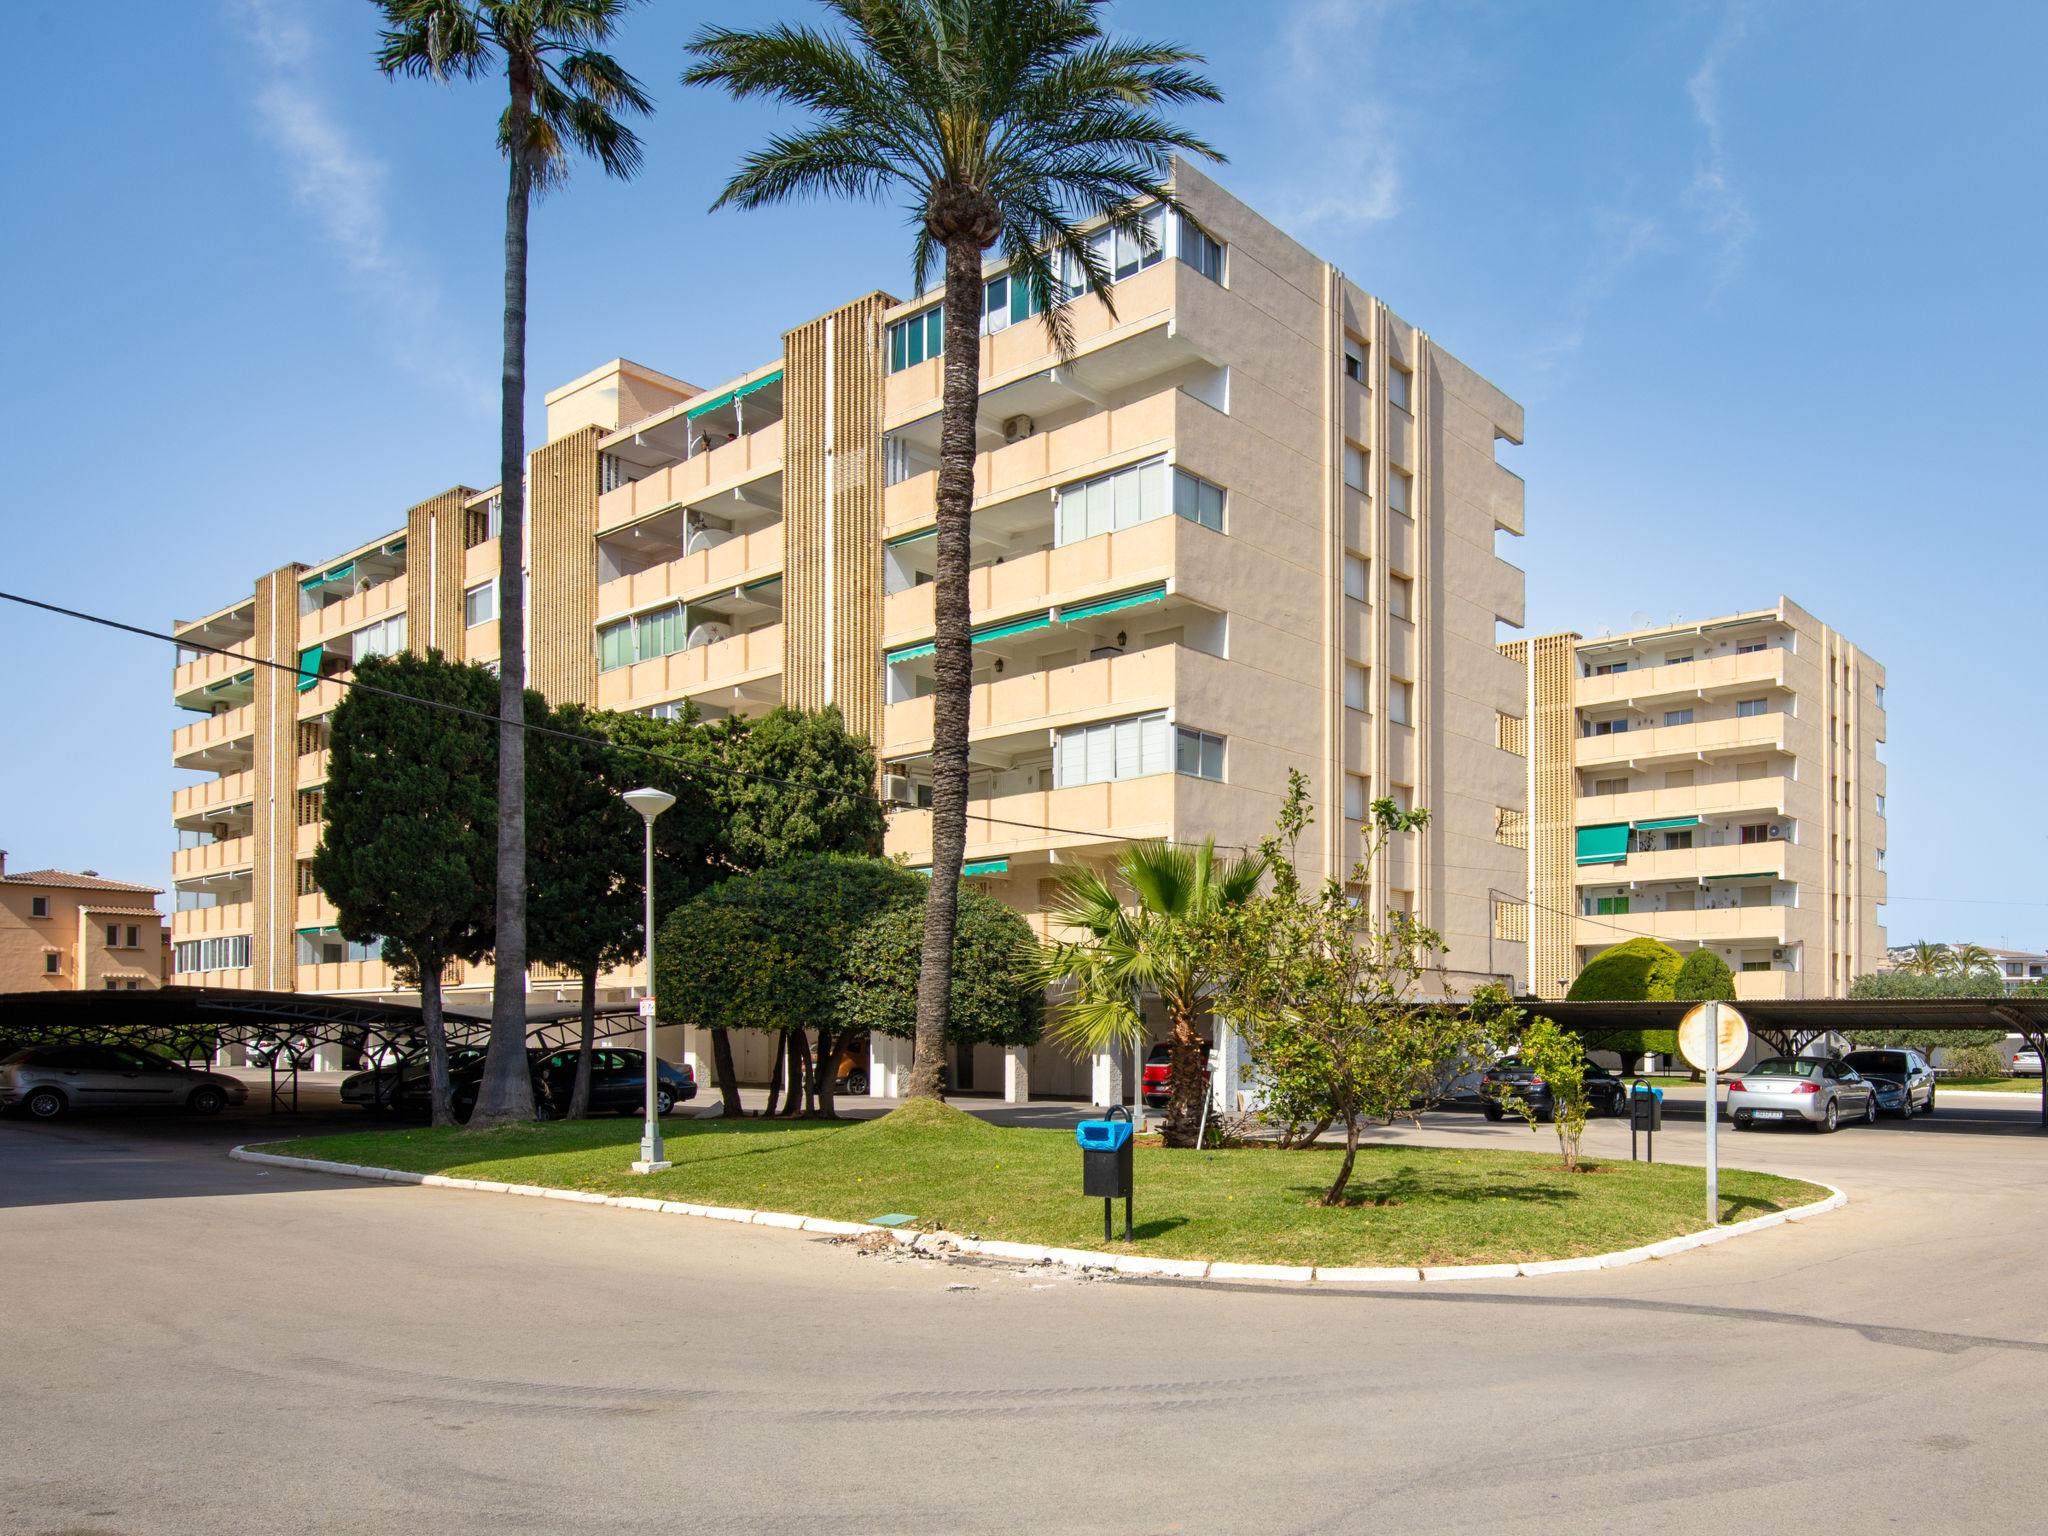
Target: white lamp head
{"x": 650, "y": 803}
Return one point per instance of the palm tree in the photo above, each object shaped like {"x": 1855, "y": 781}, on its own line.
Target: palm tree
{"x": 1925, "y": 959}
{"x": 998, "y": 123}
{"x": 565, "y": 94}
{"x": 1157, "y": 942}
{"x": 1970, "y": 960}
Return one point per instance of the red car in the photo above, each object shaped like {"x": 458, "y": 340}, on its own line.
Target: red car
{"x": 1159, "y": 1073}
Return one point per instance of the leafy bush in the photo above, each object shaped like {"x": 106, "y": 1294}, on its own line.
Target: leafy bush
{"x": 1704, "y": 977}
{"x": 1975, "y": 1061}
{"x": 996, "y": 998}
{"x": 1634, "y": 970}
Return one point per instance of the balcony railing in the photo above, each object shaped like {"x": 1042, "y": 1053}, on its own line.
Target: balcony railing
{"x": 324, "y": 624}
{"x": 214, "y": 667}
{"x": 209, "y": 922}
{"x": 1766, "y": 860}
{"x": 1732, "y": 797}
{"x": 1702, "y": 738}
{"x": 1705, "y": 678}
{"x": 213, "y": 731}
{"x": 215, "y": 794}
{"x": 745, "y": 458}
{"x": 743, "y": 659}
{"x": 1133, "y": 683}
{"x": 213, "y": 858}
{"x": 737, "y": 561}
{"x": 1715, "y": 925}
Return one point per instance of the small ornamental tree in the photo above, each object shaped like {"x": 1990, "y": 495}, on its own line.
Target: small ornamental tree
{"x": 1634, "y": 970}
{"x": 1558, "y": 1058}
{"x": 996, "y": 997}
{"x": 1704, "y": 977}
{"x": 408, "y": 850}
{"x": 1328, "y": 995}
{"x": 768, "y": 950}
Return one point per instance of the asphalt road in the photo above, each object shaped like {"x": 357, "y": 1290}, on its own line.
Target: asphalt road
{"x": 193, "y": 1345}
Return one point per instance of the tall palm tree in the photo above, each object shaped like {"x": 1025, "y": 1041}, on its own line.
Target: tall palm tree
{"x": 1926, "y": 959}
{"x": 1970, "y": 960}
{"x": 1147, "y": 923}
{"x": 565, "y": 94}
{"x": 999, "y": 123}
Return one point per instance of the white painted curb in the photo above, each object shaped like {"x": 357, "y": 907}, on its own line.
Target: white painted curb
{"x": 1082, "y": 1258}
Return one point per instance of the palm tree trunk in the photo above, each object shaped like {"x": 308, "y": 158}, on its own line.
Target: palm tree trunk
{"x": 506, "y": 1092}
{"x": 721, "y": 1063}
{"x": 579, "y": 1096}
{"x": 1189, "y": 1073}
{"x": 437, "y": 1046}
{"x": 952, "y": 660}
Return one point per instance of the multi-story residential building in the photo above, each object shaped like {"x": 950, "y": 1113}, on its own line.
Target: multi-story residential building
{"x": 1713, "y": 784}
{"x": 65, "y": 932}
{"x": 2018, "y": 967}
{"x": 1248, "y": 524}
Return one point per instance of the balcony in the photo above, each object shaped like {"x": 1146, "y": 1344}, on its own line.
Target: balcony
{"x": 695, "y": 479}
{"x": 350, "y": 976}
{"x": 1766, "y": 986}
{"x": 376, "y": 602}
{"x": 1712, "y": 677}
{"x": 216, "y": 742}
{"x": 1726, "y": 861}
{"x": 1683, "y": 743}
{"x": 749, "y": 665}
{"x": 1769, "y": 796}
{"x": 322, "y": 697}
{"x": 732, "y": 563}
{"x": 313, "y": 911}
{"x": 1714, "y": 925}
{"x": 242, "y": 978}
{"x": 195, "y": 802}
{"x": 192, "y": 682}
{"x": 211, "y": 922}
{"x": 1086, "y": 815}
{"x": 209, "y": 859}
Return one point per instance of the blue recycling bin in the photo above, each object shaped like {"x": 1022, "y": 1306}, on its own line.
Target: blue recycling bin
{"x": 1106, "y": 1163}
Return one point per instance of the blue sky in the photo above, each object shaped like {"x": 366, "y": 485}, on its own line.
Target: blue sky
{"x": 1766, "y": 276}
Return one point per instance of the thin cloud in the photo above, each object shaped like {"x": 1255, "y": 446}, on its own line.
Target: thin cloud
{"x": 1350, "y": 174}
{"x": 344, "y": 190}
{"x": 1616, "y": 243}
{"x": 1714, "y": 192}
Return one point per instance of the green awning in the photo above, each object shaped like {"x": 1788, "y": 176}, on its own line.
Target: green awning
{"x": 739, "y": 392}
{"x": 314, "y": 933}
{"x": 1760, "y": 874}
{"x": 309, "y": 667}
{"x": 762, "y": 581}
{"x": 1669, "y": 821}
{"x": 914, "y": 537}
{"x": 1604, "y": 844}
{"x": 230, "y": 682}
{"x": 339, "y": 573}
{"x": 1000, "y": 631}
{"x": 971, "y": 867}
{"x": 1102, "y": 605}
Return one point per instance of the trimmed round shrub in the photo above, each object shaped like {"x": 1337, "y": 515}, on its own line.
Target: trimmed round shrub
{"x": 996, "y": 998}
{"x": 1704, "y": 977}
{"x": 1634, "y": 970}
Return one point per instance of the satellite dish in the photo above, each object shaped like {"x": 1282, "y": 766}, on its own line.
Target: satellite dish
{"x": 1639, "y": 620}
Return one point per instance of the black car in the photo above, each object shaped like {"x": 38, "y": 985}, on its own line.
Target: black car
{"x": 618, "y": 1081}
{"x": 1606, "y": 1094}
{"x": 403, "y": 1084}
{"x": 617, "y": 1084}
{"x": 1903, "y": 1079}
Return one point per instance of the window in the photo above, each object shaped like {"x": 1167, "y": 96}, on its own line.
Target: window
{"x": 1200, "y": 252}
{"x": 1403, "y": 797}
{"x": 1880, "y": 695}
{"x": 1198, "y": 754}
{"x": 1880, "y": 858}
{"x": 312, "y": 806}
{"x": 1131, "y": 749}
{"x": 134, "y": 935}
{"x": 480, "y": 604}
{"x": 39, "y": 906}
{"x": 51, "y": 962}
{"x": 1398, "y": 381}
{"x": 1135, "y": 494}
{"x": 1756, "y": 965}
{"x": 1401, "y": 597}
{"x": 917, "y": 337}
{"x": 1678, "y": 778}
{"x": 1401, "y": 701}
{"x": 113, "y": 935}
{"x": 1687, "y": 900}
{"x": 1756, "y": 832}
{"x": 1610, "y": 786}
{"x": 1678, "y": 717}
{"x": 1609, "y": 727}
{"x": 113, "y": 985}
{"x": 1751, "y": 647}
{"x": 1678, "y": 842}
{"x": 223, "y": 954}
{"x": 1608, "y": 669}
{"x": 1610, "y": 906}
{"x": 1756, "y": 895}
{"x": 384, "y": 638}
{"x": 1744, "y": 708}
{"x": 1134, "y": 249}
{"x": 1356, "y": 679}
{"x": 1676, "y": 658}
{"x": 1005, "y": 301}
{"x": 1197, "y": 500}
{"x": 1355, "y": 576}
{"x": 1354, "y": 360}
{"x": 1880, "y": 805}
{"x": 1357, "y": 796}
{"x": 1355, "y": 467}
{"x": 642, "y": 638}
{"x": 1399, "y": 484}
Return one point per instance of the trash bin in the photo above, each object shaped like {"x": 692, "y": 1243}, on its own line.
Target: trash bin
{"x": 1106, "y": 1163}
{"x": 1645, "y": 1115}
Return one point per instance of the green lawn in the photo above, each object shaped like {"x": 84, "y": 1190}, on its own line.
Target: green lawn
{"x": 1416, "y": 1205}
{"x": 1992, "y": 1084}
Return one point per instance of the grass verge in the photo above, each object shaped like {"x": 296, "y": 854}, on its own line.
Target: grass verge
{"x": 2027, "y": 1085}
{"x": 1412, "y": 1204}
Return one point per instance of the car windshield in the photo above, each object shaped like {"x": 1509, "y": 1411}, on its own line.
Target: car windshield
{"x": 1876, "y": 1061}
{"x": 1786, "y": 1066}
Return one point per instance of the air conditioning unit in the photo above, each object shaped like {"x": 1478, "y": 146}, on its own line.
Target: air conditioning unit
{"x": 1016, "y": 429}
{"x": 898, "y": 790}
{"x": 1777, "y": 954}
{"x": 708, "y": 633}
{"x": 1776, "y": 831}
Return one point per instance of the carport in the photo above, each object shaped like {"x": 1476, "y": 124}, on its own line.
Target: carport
{"x": 1789, "y": 1024}
{"x": 204, "y": 1022}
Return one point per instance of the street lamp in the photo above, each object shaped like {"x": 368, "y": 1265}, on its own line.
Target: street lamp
{"x": 650, "y": 803}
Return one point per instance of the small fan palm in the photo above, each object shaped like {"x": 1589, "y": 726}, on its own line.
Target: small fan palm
{"x": 999, "y": 124}
{"x": 1149, "y": 922}
{"x": 1926, "y": 959}
{"x": 565, "y": 94}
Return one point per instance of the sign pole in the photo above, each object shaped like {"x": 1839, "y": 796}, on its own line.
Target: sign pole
{"x": 1713, "y": 1054}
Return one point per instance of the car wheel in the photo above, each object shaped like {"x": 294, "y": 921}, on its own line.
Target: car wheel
{"x": 1907, "y": 1112}
{"x": 1495, "y": 1112}
{"x": 856, "y": 1082}
{"x": 1736, "y": 1122}
{"x": 45, "y": 1104}
{"x": 1930, "y": 1103}
{"x": 664, "y": 1101}
{"x": 1831, "y": 1118}
{"x": 1870, "y": 1109}
{"x": 207, "y": 1100}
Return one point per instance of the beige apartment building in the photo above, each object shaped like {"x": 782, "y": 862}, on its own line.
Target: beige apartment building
{"x": 1248, "y": 525}
{"x": 1713, "y": 784}
{"x": 77, "y": 932}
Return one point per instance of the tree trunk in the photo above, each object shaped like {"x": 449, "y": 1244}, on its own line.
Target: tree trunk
{"x": 438, "y": 1092}
{"x": 952, "y": 661}
{"x": 506, "y": 1092}
{"x": 721, "y": 1063}
{"x": 827, "y": 1075}
{"x": 1336, "y": 1194}
{"x": 1189, "y": 1071}
{"x": 579, "y": 1096}
{"x": 775, "y": 1073}
{"x": 797, "y": 1088}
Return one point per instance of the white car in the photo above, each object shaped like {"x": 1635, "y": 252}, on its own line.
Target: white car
{"x": 2026, "y": 1062}
{"x": 1801, "y": 1089}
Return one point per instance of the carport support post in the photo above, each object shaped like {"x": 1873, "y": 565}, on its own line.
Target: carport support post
{"x": 1713, "y": 1113}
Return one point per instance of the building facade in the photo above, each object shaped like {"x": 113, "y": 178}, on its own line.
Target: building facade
{"x": 66, "y": 932}
{"x": 1248, "y": 524}
{"x": 1710, "y": 785}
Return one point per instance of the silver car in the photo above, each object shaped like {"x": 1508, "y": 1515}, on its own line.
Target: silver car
{"x": 1802, "y": 1089}
{"x": 46, "y": 1081}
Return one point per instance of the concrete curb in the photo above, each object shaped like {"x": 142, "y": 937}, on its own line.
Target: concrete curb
{"x": 940, "y": 1243}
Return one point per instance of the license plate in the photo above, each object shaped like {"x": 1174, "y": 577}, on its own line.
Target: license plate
{"x": 1767, "y": 1114}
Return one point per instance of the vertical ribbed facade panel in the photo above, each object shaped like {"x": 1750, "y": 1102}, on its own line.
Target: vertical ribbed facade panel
{"x": 433, "y": 573}
{"x": 1553, "y": 796}
{"x": 273, "y": 899}
{"x": 562, "y": 480}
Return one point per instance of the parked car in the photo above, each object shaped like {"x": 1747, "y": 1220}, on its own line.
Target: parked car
{"x": 2026, "y": 1062}
{"x": 46, "y": 1081}
{"x": 1808, "y": 1089}
{"x": 402, "y": 1083}
{"x": 1159, "y": 1073}
{"x": 618, "y": 1081}
{"x": 1903, "y": 1080}
{"x": 1606, "y": 1094}
{"x": 292, "y": 1051}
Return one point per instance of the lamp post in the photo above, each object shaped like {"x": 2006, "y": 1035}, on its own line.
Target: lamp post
{"x": 650, "y": 803}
